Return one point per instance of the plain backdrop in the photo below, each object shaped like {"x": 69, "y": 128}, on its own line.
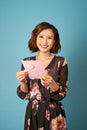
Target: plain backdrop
{"x": 17, "y": 20}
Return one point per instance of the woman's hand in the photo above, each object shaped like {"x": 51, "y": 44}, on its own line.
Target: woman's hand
{"x": 21, "y": 76}
{"x": 46, "y": 79}
{"x": 48, "y": 82}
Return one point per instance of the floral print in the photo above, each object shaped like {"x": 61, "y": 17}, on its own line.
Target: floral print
{"x": 44, "y": 110}
{"x": 59, "y": 123}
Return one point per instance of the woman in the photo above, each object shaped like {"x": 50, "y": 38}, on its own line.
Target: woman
{"x": 44, "y": 110}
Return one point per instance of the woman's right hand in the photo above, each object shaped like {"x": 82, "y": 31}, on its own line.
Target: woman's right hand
{"x": 21, "y": 76}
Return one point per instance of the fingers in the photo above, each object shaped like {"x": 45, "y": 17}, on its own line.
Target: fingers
{"x": 21, "y": 75}
{"x": 46, "y": 79}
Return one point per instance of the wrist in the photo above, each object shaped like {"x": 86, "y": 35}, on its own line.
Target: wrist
{"x": 53, "y": 86}
{"x": 24, "y": 87}
{"x": 23, "y": 82}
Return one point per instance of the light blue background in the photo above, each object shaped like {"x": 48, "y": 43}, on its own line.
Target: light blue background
{"x": 17, "y": 20}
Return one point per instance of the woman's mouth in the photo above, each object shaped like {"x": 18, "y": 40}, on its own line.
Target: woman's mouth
{"x": 44, "y": 46}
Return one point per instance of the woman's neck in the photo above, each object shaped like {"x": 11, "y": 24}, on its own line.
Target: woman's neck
{"x": 44, "y": 56}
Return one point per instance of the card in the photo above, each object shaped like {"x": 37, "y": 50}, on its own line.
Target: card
{"x": 34, "y": 68}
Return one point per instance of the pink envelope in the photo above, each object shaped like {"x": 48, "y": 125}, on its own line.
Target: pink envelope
{"x": 34, "y": 68}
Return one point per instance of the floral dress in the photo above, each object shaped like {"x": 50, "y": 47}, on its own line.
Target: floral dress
{"x": 44, "y": 110}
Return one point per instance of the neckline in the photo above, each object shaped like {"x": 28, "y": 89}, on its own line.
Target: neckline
{"x": 49, "y": 63}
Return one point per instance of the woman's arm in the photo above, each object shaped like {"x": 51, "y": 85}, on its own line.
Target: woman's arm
{"x": 58, "y": 89}
{"x": 61, "y": 88}
{"x": 22, "y": 89}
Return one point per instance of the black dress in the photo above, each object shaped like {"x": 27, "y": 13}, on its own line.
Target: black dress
{"x": 45, "y": 110}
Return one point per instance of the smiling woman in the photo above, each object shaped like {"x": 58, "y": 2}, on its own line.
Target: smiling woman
{"x": 44, "y": 110}
{"x": 39, "y": 30}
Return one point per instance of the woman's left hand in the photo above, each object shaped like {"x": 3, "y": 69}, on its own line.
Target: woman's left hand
{"x": 46, "y": 79}
{"x": 48, "y": 82}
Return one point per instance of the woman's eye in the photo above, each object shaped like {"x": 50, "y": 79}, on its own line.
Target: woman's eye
{"x": 49, "y": 37}
{"x": 40, "y": 36}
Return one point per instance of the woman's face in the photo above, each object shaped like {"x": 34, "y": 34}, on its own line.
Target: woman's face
{"x": 45, "y": 40}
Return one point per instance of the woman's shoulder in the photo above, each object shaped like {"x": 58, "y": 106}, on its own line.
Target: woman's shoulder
{"x": 29, "y": 58}
{"x": 61, "y": 58}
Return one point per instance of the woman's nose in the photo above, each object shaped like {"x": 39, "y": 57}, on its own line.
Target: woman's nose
{"x": 45, "y": 40}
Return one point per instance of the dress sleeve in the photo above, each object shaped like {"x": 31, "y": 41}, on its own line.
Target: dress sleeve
{"x": 62, "y": 82}
{"x": 20, "y": 93}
